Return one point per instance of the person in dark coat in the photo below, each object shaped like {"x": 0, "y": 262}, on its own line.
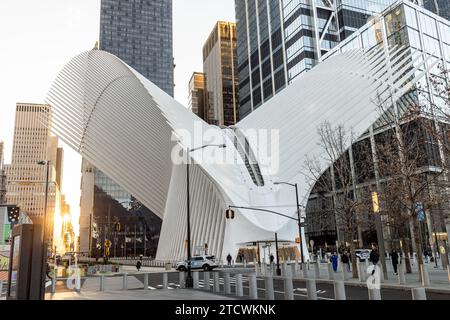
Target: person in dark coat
{"x": 394, "y": 258}
{"x": 374, "y": 257}
{"x": 138, "y": 265}
{"x": 346, "y": 261}
{"x": 229, "y": 258}
{"x": 272, "y": 258}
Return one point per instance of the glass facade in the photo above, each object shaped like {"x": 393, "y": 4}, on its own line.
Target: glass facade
{"x": 140, "y": 33}
{"x": 440, "y": 7}
{"x": 280, "y": 40}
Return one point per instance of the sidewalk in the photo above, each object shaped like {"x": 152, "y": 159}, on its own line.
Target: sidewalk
{"x": 178, "y": 294}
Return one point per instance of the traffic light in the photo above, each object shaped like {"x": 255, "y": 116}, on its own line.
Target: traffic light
{"x": 13, "y": 214}
{"x": 229, "y": 214}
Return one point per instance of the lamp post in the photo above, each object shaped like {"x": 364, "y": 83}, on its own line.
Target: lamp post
{"x": 189, "y": 279}
{"x": 44, "y": 229}
{"x": 278, "y": 256}
{"x": 298, "y": 215}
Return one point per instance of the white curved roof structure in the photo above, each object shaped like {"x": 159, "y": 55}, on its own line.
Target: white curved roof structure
{"x": 130, "y": 129}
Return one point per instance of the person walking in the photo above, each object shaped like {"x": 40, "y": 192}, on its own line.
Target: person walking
{"x": 374, "y": 257}
{"x": 229, "y": 258}
{"x": 138, "y": 265}
{"x": 394, "y": 258}
{"x": 334, "y": 261}
{"x": 346, "y": 261}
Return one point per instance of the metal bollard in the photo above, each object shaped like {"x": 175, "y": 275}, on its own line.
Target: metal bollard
{"x": 305, "y": 270}
{"x": 448, "y": 272}
{"x": 425, "y": 276}
{"x": 102, "y": 283}
{"x": 227, "y": 283}
{"x": 146, "y": 281}
{"x": 195, "y": 276}
{"x": 293, "y": 270}
{"x": 182, "y": 277}
{"x": 165, "y": 280}
{"x": 206, "y": 284}
{"x": 419, "y": 294}
{"x": 239, "y": 288}
{"x": 339, "y": 290}
{"x": 330, "y": 271}
{"x": 317, "y": 270}
{"x": 283, "y": 269}
{"x": 245, "y": 263}
{"x": 374, "y": 294}
{"x": 253, "y": 286}
{"x": 264, "y": 269}
{"x": 361, "y": 272}
{"x": 270, "y": 295}
{"x": 216, "y": 282}
{"x": 1, "y": 287}
{"x": 125, "y": 281}
{"x": 311, "y": 289}
{"x": 53, "y": 286}
{"x": 288, "y": 289}
{"x": 401, "y": 273}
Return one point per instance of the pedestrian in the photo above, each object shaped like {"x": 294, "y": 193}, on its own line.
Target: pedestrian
{"x": 425, "y": 254}
{"x": 374, "y": 257}
{"x": 346, "y": 261}
{"x": 272, "y": 259}
{"x": 138, "y": 265}
{"x": 334, "y": 261}
{"x": 394, "y": 258}
{"x": 229, "y": 258}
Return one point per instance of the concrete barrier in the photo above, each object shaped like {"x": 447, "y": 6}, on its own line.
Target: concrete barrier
{"x": 339, "y": 290}
{"x": 419, "y": 294}
{"x": 206, "y": 283}
{"x": 253, "y": 287}
{"x": 401, "y": 273}
{"x": 374, "y": 294}
{"x": 425, "y": 276}
{"x": 311, "y": 289}
{"x": 216, "y": 282}
{"x": 227, "y": 283}
{"x": 146, "y": 281}
{"x": 288, "y": 289}
{"x": 165, "y": 280}
{"x": 330, "y": 271}
{"x": 317, "y": 270}
{"x": 125, "y": 281}
{"x": 270, "y": 295}
{"x": 182, "y": 280}
{"x": 239, "y": 288}
{"x": 195, "y": 277}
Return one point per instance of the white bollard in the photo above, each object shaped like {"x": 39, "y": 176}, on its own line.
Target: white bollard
{"x": 374, "y": 294}
{"x": 125, "y": 281}
{"x": 102, "y": 283}
{"x": 264, "y": 269}
{"x": 311, "y": 289}
{"x": 381, "y": 272}
{"x": 425, "y": 276}
{"x": 195, "y": 277}
{"x": 206, "y": 284}
{"x": 362, "y": 272}
{"x": 146, "y": 281}
{"x": 182, "y": 280}
{"x": 239, "y": 288}
{"x": 165, "y": 280}
{"x": 216, "y": 282}
{"x": 233, "y": 264}
{"x": 448, "y": 272}
{"x": 305, "y": 270}
{"x": 317, "y": 270}
{"x": 270, "y": 295}
{"x": 53, "y": 286}
{"x": 245, "y": 263}
{"x": 293, "y": 270}
{"x": 283, "y": 269}
{"x": 344, "y": 272}
{"x": 227, "y": 283}
{"x": 1, "y": 287}
{"x": 366, "y": 262}
{"x": 419, "y": 294}
{"x": 288, "y": 289}
{"x": 253, "y": 286}
{"x": 401, "y": 273}
{"x": 330, "y": 271}
{"x": 339, "y": 290}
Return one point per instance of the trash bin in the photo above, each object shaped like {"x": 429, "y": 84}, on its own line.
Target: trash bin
{"x": 168, "y": 266}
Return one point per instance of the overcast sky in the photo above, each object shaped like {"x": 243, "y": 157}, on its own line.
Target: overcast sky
{"x": 39, "y": 37}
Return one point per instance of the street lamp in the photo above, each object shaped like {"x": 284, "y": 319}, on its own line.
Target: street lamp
{"x": 44, "y": 232}
{"x": 189, "y": 279}
{"x": 298, "y": 214}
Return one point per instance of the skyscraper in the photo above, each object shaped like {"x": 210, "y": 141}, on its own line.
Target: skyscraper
{"x": 221, "y": 77}
{"x": 26, "y": 179}
{"x": 2, "y": 176}
{"x": 197, "y": 95}
{"x": 140, "y": 33}
{"x": 279, "y": 40}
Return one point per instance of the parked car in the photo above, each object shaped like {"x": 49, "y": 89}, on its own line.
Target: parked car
{"x": 362, "y": 254}
{"x": 206, "y": 263}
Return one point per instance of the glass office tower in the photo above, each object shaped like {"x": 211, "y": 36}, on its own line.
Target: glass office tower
{"x": 140, "y": 33}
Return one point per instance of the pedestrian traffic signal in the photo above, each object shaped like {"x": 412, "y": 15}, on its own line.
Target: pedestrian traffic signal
{"x": 229, "y": 214}
{"x": 13, "y": 214}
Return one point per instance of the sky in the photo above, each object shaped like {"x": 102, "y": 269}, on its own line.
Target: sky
{"x": 40, "y": 37}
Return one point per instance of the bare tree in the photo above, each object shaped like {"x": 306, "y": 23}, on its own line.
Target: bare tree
{"x": 339, "y": 181}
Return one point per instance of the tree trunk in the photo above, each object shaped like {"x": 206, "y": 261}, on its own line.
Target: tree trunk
{"x": 354, "y": 260}
{"x": 405, "y": 249}
{"x": 418, "y": 245}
